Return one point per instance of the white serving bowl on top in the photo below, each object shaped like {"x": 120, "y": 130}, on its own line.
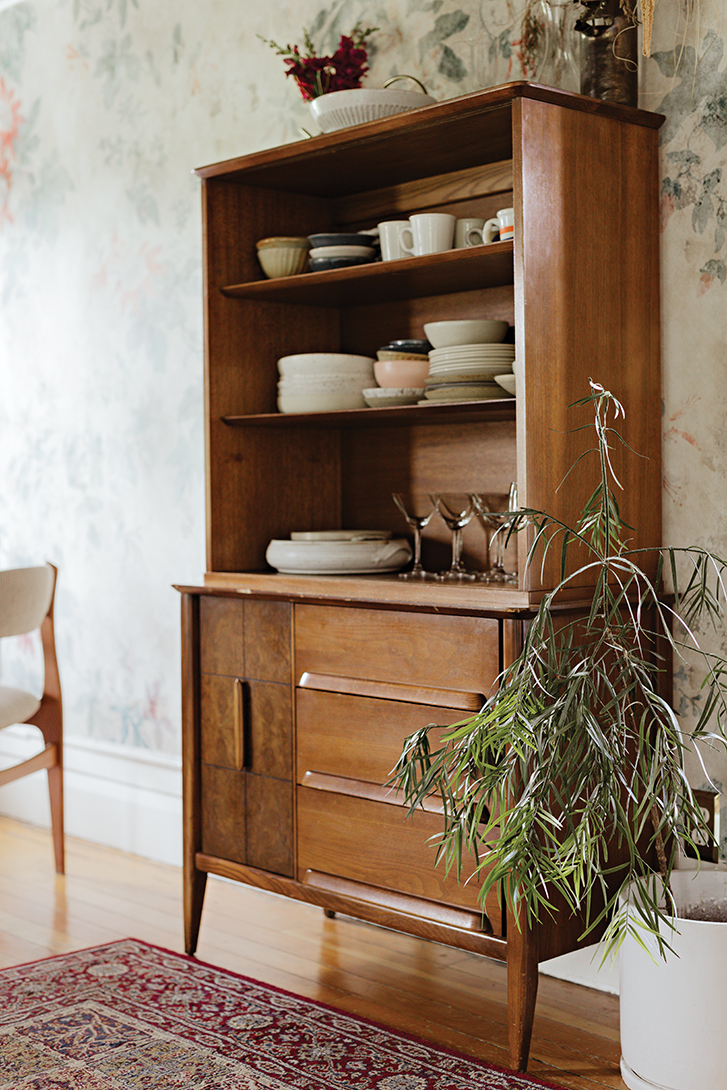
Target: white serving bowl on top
{"x": 340, "y": 109}
{"x": 465, "y": 331}
{"x": 320, "y": 557}
{"x": 322, "y": 363}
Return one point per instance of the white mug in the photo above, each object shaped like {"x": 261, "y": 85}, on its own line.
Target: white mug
{"x": 429, "y": 232}
{"x": 504, "y": 225}
{"x": 462, "y": 229}
{"x": 389, "y": 233}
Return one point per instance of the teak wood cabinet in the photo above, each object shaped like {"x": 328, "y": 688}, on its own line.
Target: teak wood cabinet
{"x": 298, "y": 691}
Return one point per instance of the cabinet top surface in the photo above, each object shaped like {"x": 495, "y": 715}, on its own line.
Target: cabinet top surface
{"x": 478, "y": 129}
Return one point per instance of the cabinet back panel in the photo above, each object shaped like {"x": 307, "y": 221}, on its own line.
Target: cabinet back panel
{"x": 424, "y": 459}
{"x": 397, "y": 202}
{"x": 365, "y": 329}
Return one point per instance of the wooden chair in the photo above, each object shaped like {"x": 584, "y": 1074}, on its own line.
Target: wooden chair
{"x": 26, "y": 603}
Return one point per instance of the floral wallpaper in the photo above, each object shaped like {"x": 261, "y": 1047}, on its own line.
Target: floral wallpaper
{"x": 106, "y": 106}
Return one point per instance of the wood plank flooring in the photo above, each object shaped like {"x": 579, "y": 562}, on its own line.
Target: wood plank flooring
{"x": 446, "y": 996}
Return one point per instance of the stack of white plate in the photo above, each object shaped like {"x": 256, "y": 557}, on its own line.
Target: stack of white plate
{"x": 468, "y": 372}
{"x": 315, "y": 382}
{"x": 340, "y": 552}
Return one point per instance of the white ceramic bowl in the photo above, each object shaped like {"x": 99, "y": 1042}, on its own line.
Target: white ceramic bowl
{"x": 399, "y": 373}
{"x": 338, "y": 557}
{"x": 465, "y": 331}
{"x": 320, "y": 401}
{"x": 321, "y": 363}
{"x": 339, "y": 109}
{"x": 342, "y": 251}
{"x": 341, "y": 535}
{"x": 330, "y": 381}
{"x": 507, "y": 382}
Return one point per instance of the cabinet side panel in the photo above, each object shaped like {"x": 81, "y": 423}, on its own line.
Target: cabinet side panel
{"x": 223, "y": 813}
{"x": 267, "y": 640}
{"x": 270, "y": 824}
{"x": 587, "y": 306}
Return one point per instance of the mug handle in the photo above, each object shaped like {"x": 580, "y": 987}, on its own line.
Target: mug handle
{"x": 491, "y": 228}
{"x": 406, "y": 248}
{"x": 475, "y": 236}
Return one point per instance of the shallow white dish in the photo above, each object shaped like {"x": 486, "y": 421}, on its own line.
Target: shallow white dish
{"x": 340, "y": 109}
{"x": 341, "y": 535}
{"x": 448, "y": 370}
{"x": 342, "y": 251}
{"x": 465, "y": 331}
{"x": 463, "y": 391}
{"x": 319, "y": 363}
{"x": 383, "y": 397}
{"x": 473, "y": 352}
{"x": 507, "y": 382}
{"x": 338, "y": 557}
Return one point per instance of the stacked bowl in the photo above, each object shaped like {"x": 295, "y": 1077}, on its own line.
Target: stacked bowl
{"x": 466, "y": 360}
{"x": 337, "y": 250}
{"x": 315, "y": 382}
{"x": 401, "y": 371}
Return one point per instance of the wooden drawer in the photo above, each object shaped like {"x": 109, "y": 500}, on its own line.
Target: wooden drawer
{"x": 359, "y": 737}
{"x": 377, "y": 845}
{"x": 415, "y": 649}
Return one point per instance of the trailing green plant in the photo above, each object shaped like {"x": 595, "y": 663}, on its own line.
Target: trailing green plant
{"x": 570, "y": 781}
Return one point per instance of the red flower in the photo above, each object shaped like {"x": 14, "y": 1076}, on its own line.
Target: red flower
{"x": 317, "y": 76}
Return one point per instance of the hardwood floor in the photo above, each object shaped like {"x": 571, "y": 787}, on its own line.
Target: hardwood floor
{"x": 442, "y": 995}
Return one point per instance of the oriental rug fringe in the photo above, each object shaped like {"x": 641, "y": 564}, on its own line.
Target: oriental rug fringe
{"x": 130, "y": 1016}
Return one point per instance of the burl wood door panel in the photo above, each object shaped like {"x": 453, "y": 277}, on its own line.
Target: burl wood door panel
{"x": 246, "y": 733}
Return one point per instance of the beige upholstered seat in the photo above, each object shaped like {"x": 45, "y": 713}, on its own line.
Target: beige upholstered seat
{"x": 26, "y": 603}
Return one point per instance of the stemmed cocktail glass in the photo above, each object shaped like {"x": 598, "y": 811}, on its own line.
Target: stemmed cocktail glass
{"x": 418, "y": 511}
{"x": 500, "y": 521}
{"x": 457, "y": 509}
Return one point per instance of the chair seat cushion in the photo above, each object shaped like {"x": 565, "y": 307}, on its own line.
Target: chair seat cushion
{"x": 16, "y": 706}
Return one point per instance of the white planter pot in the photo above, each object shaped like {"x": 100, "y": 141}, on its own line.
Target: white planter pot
{"x": 673, "y": 1011}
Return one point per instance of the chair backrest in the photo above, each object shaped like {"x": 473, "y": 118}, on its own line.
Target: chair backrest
{"x": 25, "y": 598}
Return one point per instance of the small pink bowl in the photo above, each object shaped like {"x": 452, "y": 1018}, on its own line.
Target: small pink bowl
{"x": 398, "y": 373}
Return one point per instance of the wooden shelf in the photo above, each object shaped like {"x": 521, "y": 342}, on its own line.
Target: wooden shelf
{"x": 437, "y": 412}
{"x": 474, "y": 268}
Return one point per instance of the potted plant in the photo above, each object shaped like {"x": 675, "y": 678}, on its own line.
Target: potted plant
{"x": 569, "y": 785}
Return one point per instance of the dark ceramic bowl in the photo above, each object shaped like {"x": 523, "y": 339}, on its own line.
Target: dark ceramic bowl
{"x": 342, "y": 240}
{"x": 421, "y": 346}
{"x": 323, "y": 264}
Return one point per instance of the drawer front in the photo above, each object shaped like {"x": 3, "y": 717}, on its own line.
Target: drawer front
{"x": 430, "y": 650}
{"x": 245, "y": 638}
{"x": 358, "y": 737}
{"x": 376, "y": 844}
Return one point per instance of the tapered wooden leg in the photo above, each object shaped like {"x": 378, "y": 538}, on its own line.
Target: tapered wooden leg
{"x": 195, "y": 883}
{"x": 522, "y": 991}
{"x": 55, "y": 790}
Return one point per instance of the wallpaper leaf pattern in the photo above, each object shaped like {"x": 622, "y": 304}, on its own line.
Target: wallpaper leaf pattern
{"x": 106, "y": 106}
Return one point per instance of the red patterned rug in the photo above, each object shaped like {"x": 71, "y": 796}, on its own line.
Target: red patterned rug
{"x": 129, "y": 1016}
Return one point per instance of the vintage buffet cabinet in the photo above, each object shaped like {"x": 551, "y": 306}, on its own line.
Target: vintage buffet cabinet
{"x": 299, "y": 690}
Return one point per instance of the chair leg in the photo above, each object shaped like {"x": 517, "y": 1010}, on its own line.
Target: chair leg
{"x": 55, "y": 790}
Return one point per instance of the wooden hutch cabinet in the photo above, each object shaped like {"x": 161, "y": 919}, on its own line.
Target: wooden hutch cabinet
{"x": 299, "y": 690}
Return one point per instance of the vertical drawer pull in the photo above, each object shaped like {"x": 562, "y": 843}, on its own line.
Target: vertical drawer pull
{"x": 239, "y": 724}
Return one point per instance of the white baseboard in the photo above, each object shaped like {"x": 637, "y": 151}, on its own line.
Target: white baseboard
{"x": 582, "y": 967}
{"x": 125, "y": 797}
